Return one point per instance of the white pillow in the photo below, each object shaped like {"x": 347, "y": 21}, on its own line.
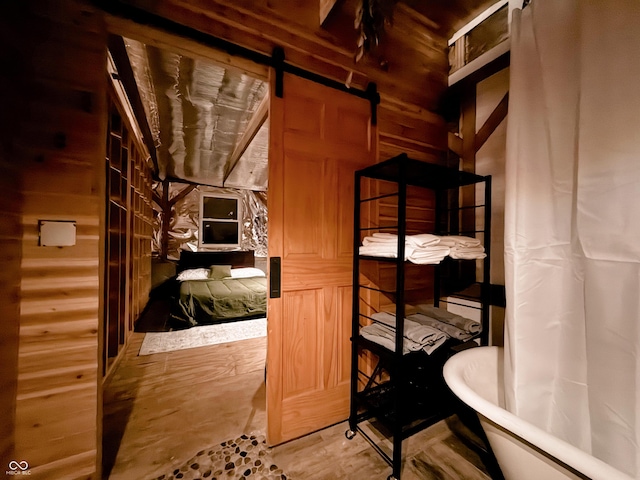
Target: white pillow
{"x": 246, "y": 272}
{"x": 193, "y": 274}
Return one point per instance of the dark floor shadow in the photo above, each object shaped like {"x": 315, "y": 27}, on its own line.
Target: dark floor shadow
{"x": 155, "y": 317}
{"x": 114, "y": 423}
{"x": 470, "y": 432}
{"x": 118, "y": 402}
{"x": 258, "y": 403}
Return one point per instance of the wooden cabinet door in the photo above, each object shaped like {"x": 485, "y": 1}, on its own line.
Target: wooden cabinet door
{"x": 318, "y": 138}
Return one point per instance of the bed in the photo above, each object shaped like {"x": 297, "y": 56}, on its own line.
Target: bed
{"x": 216, "y": 287}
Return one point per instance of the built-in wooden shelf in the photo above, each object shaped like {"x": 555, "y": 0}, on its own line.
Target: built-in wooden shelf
{"x": 129, "y": 230}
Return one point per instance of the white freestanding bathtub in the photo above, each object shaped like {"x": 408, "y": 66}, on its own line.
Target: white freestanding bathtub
{"x": 523, "y": 451}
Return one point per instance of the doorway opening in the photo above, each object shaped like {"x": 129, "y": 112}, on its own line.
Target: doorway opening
{"x": 206, "y": 121}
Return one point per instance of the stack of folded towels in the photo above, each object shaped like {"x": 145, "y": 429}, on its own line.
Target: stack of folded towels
{"x": 423, "y": 248}
{"x": 416, "y": 336}
{"x": 465, "y": 248}
{"x": 425, "y": 330}
{"x": 455, "y": 326}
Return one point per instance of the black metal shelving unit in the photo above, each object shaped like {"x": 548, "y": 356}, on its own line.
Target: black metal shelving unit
{"x": 406, "y": 393}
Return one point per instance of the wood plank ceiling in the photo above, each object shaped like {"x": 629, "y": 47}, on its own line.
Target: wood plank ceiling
{"x": 449, "y": 16}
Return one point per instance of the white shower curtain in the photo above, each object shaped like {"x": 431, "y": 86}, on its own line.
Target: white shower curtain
{"x": 572, "y": 225}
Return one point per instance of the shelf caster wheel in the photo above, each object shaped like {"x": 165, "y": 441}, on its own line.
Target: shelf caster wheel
{"x": 349, "y": 434}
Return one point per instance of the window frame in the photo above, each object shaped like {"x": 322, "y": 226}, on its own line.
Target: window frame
{"x": 202, "y": 219}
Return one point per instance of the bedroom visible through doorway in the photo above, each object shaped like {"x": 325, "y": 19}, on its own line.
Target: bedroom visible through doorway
{"x": 207, "y": 123}
{"x": 209, "y": 126}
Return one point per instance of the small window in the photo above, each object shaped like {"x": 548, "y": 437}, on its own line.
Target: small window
{"x": 480, "y": 36}
{"x": 220, "y": 218}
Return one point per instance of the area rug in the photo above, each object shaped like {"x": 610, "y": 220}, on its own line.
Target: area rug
{"x": 158, "y": 342}
{"x": 244, "y": 457}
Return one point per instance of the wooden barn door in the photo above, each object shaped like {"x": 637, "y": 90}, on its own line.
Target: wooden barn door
{"x": 318, "y": 138}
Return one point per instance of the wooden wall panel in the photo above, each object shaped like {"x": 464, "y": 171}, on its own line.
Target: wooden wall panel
{"x": 10, "y": 248}
{"x": 128, "y": 232}
{"x": 52, "y": 152}
{"x": 342, "y": 371}
{"x": 410, "y": 71}
{"x": 299, "y": 374}
{"x": 10, "y": 244}
{"x": 54, "y": 52}
{"x": 303, "y": 200}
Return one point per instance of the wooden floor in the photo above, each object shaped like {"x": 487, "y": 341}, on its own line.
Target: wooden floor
{"x": 159, "y": 410}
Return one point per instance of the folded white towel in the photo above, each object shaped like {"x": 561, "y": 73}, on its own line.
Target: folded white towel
{"x": 384, "y": 250}
{"x": 426, "y": 261}
{"x": 447, "y": 241}
{"x": 422, "y": 240}
{"x": 428, "y": 255}
{"x": 418, "y": 240}
{"x": 467, "y": 255}
{"x": 460, "y": 240}
{"x": 460, "y": 248}
{"x": 370, "y": 242}
{"x": 433, "y": 251}
{"x": 467, "y": 252}
{"x": 384, "y": 236}
{"x": 423, "y": 248}
{"x": 377, "y": 252}
{"x": 380, "y": 238}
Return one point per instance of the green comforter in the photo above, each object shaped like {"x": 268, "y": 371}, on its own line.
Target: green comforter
{"x": 213, "y": 301}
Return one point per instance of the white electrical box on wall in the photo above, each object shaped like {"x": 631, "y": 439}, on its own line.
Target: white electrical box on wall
{"x": 57, "y": 233}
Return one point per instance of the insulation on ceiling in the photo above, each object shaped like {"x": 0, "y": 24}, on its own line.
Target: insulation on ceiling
{"x": 197, "y": 112}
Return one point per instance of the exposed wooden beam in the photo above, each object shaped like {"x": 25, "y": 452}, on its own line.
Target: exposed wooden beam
{"x": 496, "y": 117}
{"x": 467, "y": 195}
{"x": 468, "y": 129}
{"x": 166, "y": 220}
{"x": 125, "y": 73}
{"x": 412, "y": 12}
{"x": 257, "y": 120}
{"x": 455, "y": 144}
{"x": 183, "y": 193}
{"x": 325, "y": 7}
{"x": 184, "y": 45}
{"x": 156, "y": 198}
{"x": 166, "y": 205}
{"x": 457, "y": 89}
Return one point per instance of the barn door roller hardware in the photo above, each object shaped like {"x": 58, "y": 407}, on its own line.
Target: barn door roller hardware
{"x": 276, "y": 60}
{"x": 280, "y": 66}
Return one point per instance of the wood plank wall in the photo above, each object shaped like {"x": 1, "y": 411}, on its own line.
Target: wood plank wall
{"x": 52, "y": 159}
{"x": 411, "y": 70}
{"x": 53, "y": 169}
{"x": 129, "y": 229}
{"x": 10, "y": 246}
